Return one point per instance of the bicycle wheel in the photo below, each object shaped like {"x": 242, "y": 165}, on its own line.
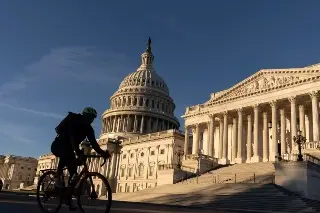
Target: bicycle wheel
{"x": 95, "y": 187}
{"x": 47, "y": 189}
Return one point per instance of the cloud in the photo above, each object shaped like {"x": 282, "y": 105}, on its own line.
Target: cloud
{"x": 17, "y": 132}
{"x": 40, "y": 113}
{"x": 77, "y": 64}
{"x": 60, "y": 71}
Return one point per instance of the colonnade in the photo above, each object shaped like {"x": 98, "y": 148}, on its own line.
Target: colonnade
{"x": 256, "y": 133}
{"x": 135, "y": 123}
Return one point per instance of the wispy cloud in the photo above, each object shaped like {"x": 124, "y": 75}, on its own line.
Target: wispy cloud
{"x": 76, "y": 64}
{"x": 17, "y": 132}
{"x": 62, "y": 70}
{"x": 40, "y": 113}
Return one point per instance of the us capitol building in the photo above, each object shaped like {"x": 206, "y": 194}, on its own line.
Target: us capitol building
{"x": 141, "y": 117}
{"x": 255, "y": 120}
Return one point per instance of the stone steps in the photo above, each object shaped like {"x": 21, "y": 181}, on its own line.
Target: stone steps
{"x": 253, "y": 172}
{"x": 255, "y": 197}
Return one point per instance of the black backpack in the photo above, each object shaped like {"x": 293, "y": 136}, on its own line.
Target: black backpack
{"x": 65, "y": 123}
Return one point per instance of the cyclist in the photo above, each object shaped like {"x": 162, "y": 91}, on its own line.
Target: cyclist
{"x": 72, "y": 130}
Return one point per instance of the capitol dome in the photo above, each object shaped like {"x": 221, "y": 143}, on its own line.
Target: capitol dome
{"x": 141, "y": 105}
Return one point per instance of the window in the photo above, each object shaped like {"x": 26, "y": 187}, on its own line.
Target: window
{"x": 131, "y": 155}
{"x": 124, "y": 156}
{"x": 142, "y": 154}
{"x": 152, "y": 152}
{"x": 151, "y": 169}
{"x": 162, "y": 151}
{"x": 122, "y": 172}
{"x": 22, "y": 167}
{"x": 141, "y": 169}
{"x": 130, "y": 172}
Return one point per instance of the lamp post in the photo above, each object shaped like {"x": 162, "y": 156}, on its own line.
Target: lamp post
{"x": 199, "y": 158}
{"x": 299, "y": 139}
{"x": 278, "y": 155}
{"x": 179, "y": 153}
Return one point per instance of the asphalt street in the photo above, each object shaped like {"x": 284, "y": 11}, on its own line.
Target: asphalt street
{"x": 23, "y": 203}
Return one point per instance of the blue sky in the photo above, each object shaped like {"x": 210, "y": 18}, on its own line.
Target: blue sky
{"x": 59, "y": 56}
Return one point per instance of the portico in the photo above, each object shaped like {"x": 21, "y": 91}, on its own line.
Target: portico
{"x": 255, "y": 120}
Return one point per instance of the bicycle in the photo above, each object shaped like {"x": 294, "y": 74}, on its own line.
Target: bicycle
{"x": 71, "y": 190}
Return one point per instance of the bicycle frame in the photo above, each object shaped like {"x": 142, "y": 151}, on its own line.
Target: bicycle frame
{"x": 83, "y": 172}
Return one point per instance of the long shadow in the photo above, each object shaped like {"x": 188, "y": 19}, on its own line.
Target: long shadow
{"x": 238, "y": 197}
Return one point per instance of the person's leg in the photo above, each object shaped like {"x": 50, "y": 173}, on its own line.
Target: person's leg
{"x": 58, "y": 151}
{"x": 72, "y": 168}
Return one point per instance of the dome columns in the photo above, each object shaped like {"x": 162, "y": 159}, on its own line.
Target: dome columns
{"x": 142, "y": 124}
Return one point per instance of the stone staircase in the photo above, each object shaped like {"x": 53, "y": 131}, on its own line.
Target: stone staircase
{"x": 234, "y": 197}
{"x": 262, "y": 172}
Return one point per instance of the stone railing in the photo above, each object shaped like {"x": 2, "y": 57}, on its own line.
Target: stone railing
{"x": 245, "y": 177}
{"x": 176, "y": 166}
{"x": 294, "y": 157}
{"x": 157, "y": 135}
{"x": 201, "y": 156}
{"x": 312, "y": 145}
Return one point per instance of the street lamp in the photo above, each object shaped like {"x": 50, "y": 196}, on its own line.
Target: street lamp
{"x": 179, "y": 153}
{"x": 200, "y": 152}
{"x": 299, "y": 139}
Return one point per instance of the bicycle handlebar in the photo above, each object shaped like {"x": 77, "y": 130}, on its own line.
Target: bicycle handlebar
{"x": 98, "y": 156}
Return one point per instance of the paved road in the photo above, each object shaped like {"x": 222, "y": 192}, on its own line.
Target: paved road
{"x": 18, "y": 203}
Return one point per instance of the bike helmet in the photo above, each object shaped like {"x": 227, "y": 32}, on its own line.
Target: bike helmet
{"x": 90, "y": 111}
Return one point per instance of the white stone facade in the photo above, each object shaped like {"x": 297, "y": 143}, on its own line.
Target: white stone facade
{"x": 17, "y": 171}
{"x": 256, "y": 119}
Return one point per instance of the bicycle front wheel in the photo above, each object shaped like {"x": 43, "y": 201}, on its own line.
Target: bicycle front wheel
{"x": 94, "y": 188}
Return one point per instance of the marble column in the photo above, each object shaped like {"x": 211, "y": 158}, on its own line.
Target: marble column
{"x": 239, "y": 158}
{"x": 315, "y": 115}
{"x": 256, "y": 156}
{"x": 135, "y": 123}
{"x": 142, "y": 124}
{"x": 234, "y": 140}
{"x": 293, "y": 121}
{"x": 150, "y": 125}
{"x": 302, "y": 122}
{"x": 211, "y": 136}
{"x": 195, "y": 149}
{"x": 225, "y": 138}
{"x": 186, "y": 139}
{"x": 274, "y": 131}
{"x": 249, "y": 139}
{"x": 114, "y": 124}
{"x": 220, "y": 137}
{"x": 283, "y": 131}
{"x": 265, "y": 147}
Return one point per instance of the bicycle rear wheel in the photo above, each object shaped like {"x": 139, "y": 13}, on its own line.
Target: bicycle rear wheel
{"x": 94, "y": 187}
{"x": 46, "y": 190}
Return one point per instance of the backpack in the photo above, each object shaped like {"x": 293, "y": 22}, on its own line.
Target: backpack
{"x": 65, "y": 123}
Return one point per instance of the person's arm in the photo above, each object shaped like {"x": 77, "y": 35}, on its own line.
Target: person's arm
{"x": 91, "y": 137}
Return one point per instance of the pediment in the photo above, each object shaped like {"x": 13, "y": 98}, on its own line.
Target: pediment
{"x": 265, "y": 81}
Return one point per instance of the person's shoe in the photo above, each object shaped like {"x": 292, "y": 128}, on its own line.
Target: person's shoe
{"x": 71, "y": 205}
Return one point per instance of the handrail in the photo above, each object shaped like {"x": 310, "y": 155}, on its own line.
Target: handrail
{"x": 240, "y": 177}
